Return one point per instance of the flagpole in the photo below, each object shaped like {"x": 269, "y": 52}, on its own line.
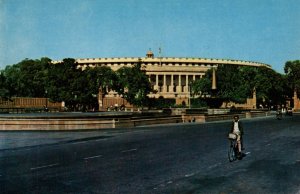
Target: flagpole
{"x": 159, "y": 51}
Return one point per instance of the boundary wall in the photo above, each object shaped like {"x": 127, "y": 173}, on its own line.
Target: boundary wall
{"x": 20, "y": 104}
{"x": 98, "y": 123}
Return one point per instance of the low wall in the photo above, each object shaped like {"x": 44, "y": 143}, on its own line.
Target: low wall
{"x": 154, "y": 121}
{"x": 62, "y": 124}
{"x": 80, "y": 124}
{"x": 110, "y": 121}
{"x": 219, "y": 117}
{"x": 65, "y": 121}
{"x": 24, "y": 102}
{"x": 208, "y": 118}
{"x": 253, "y": 114}
{"x": 222, "y": 117}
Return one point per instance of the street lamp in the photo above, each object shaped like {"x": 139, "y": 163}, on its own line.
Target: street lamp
{"x": 46, "y": 103}
{"x": 190, "y": 90}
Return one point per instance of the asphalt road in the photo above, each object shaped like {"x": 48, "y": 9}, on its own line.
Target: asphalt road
{"x": 172, "y": 159}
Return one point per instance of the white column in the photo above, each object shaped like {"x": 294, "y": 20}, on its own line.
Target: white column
{"x": 156, "y": 82}
{"x": 179, "y": 88}
{"x": 214, "y": 80}
{"x": 165, "y": 84}
{"x": 186, "y": 83}
{"x": 172, "y": 84}
{"x": 150, "y": 81}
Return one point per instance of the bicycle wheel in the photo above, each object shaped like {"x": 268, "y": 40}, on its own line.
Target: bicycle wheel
{"x": 232, "y": 151}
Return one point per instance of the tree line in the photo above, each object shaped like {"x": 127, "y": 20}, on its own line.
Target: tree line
{"x": 66, "y": 82}
{"x": 237, "y": 83}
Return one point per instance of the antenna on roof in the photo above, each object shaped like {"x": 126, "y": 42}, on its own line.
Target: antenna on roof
{"x": 159, "y": 55}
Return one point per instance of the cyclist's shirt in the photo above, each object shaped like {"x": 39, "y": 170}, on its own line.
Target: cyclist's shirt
{"x": 237, "y": 126}
{"x": 236, "y": 129}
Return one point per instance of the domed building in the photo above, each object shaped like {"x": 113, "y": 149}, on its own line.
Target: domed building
{"x": 169, "y": 76}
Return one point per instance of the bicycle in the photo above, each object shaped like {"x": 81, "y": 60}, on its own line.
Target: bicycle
{"x": 233, "y": 148}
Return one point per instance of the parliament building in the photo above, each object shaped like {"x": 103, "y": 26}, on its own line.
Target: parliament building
{"x": 169, "y": 76}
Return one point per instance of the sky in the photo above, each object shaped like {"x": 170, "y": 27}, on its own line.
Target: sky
{"x": 266, "y": 31}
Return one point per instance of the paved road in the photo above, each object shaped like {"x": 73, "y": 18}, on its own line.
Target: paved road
{"x": 185, "y": 158}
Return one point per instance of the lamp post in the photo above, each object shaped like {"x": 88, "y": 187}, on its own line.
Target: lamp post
{"x": 100, "y": 98}
{"x": 46, "y": 101}
{"x": 190, "y": 95}
{"x": 75, "y": 102}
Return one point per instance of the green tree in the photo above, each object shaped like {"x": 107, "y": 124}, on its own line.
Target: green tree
{"x": 230, "y": 85}
{"x": 65, "y": 83}
{"x": 100, "y": 77}
{"x": 202, "y": 86}
{"x": 236, "y": 84}
{"x": 12, "y": 74}
{"x": 269, "y": 86}
{"x": 27, "y": 78}
{"x": 4, "y": 92}
{"x": 96, "y": 78}
{"x": 233, "y": 84}
{"x": 247, "y": 79}
{"x": 134, "y": 85}
{"x": 292, "y": 71}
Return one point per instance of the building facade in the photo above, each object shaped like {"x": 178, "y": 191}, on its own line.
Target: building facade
{"x": 169, "y": 76}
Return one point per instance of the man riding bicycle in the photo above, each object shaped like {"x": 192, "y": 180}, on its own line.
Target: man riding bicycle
{"x": 237, "y": 129}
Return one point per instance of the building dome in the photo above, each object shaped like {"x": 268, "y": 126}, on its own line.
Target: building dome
{"x": 150, "y": 54}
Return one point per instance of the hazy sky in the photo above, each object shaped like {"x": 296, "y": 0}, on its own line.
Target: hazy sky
{"x": 266, "y": 31}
